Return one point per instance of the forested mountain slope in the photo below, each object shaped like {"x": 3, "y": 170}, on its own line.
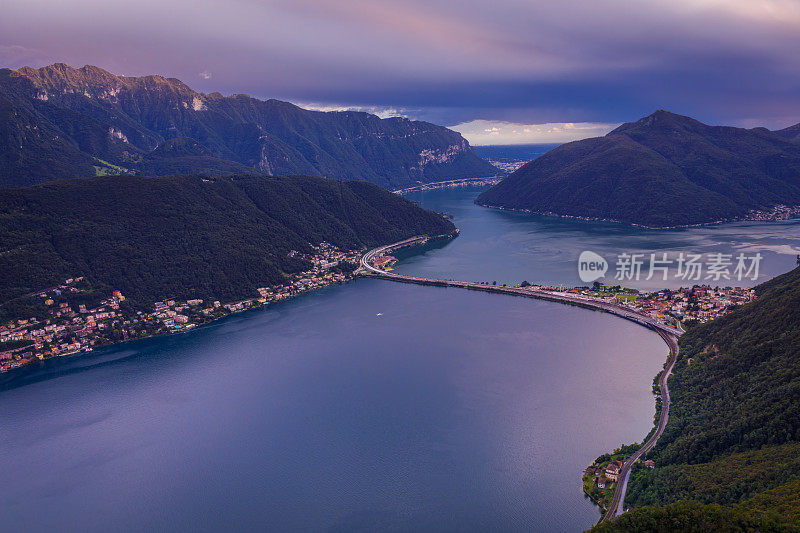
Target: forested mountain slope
{"x": 733, "y": 436}
{"x": 62, "y": 122}
{"x": 663, "y": 170}
{"x": 188, "y": 236}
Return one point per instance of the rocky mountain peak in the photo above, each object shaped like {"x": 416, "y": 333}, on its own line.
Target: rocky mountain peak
{"x": 95, "y": 81}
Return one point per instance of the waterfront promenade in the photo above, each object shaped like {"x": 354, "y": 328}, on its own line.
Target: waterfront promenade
{"x": 667, "y": 332}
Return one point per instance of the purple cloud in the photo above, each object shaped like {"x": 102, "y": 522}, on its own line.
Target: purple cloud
{"x": 507, "y": 60}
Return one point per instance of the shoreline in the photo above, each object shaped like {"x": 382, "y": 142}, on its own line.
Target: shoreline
{"x": 5, "y": 374}
{"x": 669, "y": 336}
{"x": 9, "y": 376}
{"x": 464, "y": 182}
{"x": 221, "y": 311}
{"x": 551, "y": 214}
{"x": 65, "y": 332}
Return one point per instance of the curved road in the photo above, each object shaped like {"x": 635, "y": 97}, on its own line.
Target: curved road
{"x": 617, "y": 502}
{"x": 668, "y": 333}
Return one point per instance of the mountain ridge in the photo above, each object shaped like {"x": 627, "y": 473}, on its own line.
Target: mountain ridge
{"x": 792, "y": 133}
{"x": 662, "y": 170}
{"x": 63, "y": 122}
{"x": 168, "y": 236}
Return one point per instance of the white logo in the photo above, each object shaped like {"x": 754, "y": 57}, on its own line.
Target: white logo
{"x": 591, "y": 266}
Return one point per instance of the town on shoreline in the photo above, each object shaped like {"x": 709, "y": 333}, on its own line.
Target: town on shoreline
{"x": 72, "y": 327}
{"x": 449, "y": 184}
{"x": 777, "y": 213}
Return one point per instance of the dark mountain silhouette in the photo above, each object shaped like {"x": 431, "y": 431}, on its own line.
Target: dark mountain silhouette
{"x": 663, "y": 170}
{"x": 792, "y": 133}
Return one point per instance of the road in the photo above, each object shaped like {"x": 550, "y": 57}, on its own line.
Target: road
{"x": 492, "y": 180}
{"x": 530, "y": 292}
{"x": 668, "y": 333}
{"x": 617, "y": 502}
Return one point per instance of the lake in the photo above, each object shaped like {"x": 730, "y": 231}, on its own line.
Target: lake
{"x": 366, "y": 406}
{"x": 509, "y": 247}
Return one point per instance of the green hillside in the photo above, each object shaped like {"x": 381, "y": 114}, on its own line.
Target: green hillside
{"x": 733, "y": 436}
{"x": 187, "y": 236}
{"x": 693, "y": 517}
{"x": 663, "y": 170}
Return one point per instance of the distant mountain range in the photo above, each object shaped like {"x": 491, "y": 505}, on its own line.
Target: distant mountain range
{"x": 62, "y": 122}
{"x": 663, "y": 170}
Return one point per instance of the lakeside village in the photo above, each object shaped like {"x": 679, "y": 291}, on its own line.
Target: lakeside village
{"x": 601, "y": 478}
{"x": 673, "y": 307}
{"x": 464, "y": 182}
{"x": 779, "y": 212}
{"x": 699, "y": 303}
{"x": 507, "y": 165}
{"x": 71, "y": 328}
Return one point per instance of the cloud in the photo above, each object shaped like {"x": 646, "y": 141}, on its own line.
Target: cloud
{"x": 15, "y": 56}
{"x": 507, "y": 60}
{"x": 382, "y": 112}
{"x": 482, "y": 132}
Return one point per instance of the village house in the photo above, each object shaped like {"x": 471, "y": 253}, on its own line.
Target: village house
{"x": 64, "y": 331}
{"x": 612, "y": 470}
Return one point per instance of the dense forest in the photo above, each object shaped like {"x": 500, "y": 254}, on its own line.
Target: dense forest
{"x": 733, "y": 436}
{"x": 662, "y": 170}
{"x": 693, "y": 517}
{"x": 187, "y": 236}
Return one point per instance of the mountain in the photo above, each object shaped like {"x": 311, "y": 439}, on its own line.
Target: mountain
{"x": 187, "y": 236}
{"x": 663, "y": 170}
{"x": 733, "y": 437}
{"x": 792, "y": 133}
{"x": 60, "y": 122}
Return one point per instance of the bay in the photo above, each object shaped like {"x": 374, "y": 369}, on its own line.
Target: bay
{"x": 452, "y": 410}
{"x": 365, "y": 406}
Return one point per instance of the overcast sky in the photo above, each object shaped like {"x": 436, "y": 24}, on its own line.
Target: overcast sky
{"x": 534, "y": 71}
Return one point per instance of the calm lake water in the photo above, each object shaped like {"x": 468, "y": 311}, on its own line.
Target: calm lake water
{"x": 510, "y": 247}
{"x": 452, "y": 410}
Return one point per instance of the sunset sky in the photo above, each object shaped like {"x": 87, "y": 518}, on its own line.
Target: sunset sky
{"x": 502, "y": 71}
